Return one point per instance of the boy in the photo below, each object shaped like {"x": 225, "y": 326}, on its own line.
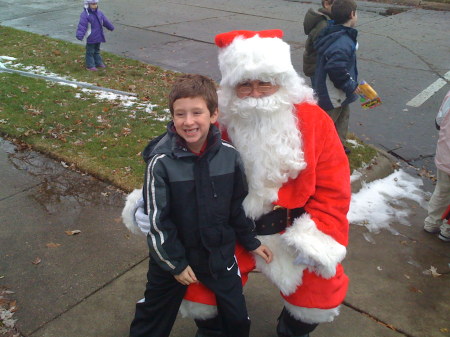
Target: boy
{"x": 314, "y": 22}
{"x": 335, "y": 80}
{"x": 92, "y": 21}
{"x": 193, "y": 192}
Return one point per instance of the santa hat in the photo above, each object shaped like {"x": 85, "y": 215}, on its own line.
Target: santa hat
{"x": 250, "y": 55}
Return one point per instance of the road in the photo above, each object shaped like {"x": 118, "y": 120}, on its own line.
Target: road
{"x": 406, "y": 56}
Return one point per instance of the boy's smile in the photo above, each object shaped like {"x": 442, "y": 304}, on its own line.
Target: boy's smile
{"x": 192, "y": 120}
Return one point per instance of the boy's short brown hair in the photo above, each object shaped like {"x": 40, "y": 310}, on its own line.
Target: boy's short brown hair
{"x": 194, "y": 85}
{"x": 341, "y": 10}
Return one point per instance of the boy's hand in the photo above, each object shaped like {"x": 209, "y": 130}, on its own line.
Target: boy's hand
{"x": 264, "y": 252}
{"x": 186, "y": 277}
{"x": 358, "y": 91}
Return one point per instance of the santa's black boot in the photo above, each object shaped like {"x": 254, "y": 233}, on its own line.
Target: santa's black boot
{"x": 288, "y": 326}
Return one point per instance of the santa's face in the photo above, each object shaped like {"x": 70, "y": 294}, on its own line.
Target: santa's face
{"x": 255, "y": 89}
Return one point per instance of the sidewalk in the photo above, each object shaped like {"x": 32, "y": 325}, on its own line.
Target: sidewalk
{"x": 86, "y": 284}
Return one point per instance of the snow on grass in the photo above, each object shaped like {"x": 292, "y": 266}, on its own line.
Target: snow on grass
{"x": 126, "y": 101}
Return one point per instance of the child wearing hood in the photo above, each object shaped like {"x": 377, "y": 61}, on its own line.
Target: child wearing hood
{"x": 92, "y": 21}
{"x": 315, "y": 21}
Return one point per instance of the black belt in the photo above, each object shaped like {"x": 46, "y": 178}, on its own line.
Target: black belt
{"x": 277, "y": 220}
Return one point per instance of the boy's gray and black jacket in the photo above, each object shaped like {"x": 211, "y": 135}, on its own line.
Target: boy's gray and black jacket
{"x": 195, "y": 204}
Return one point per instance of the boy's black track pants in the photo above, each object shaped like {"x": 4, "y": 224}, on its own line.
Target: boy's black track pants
{"x": 163, "y": 295}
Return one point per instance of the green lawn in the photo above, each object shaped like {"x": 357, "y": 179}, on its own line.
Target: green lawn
{"x": 103, "y": 137}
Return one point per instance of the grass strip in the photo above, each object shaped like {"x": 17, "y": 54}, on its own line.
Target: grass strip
{"x": 103, "y": 137}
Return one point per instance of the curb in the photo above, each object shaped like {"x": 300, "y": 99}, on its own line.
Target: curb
{"x": 380, "y": 167}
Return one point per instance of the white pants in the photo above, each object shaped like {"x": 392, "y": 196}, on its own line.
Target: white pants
{"x": 440, "y": 199}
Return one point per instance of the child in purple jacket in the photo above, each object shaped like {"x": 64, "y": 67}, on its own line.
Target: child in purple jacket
{"x": 92, "y": 21}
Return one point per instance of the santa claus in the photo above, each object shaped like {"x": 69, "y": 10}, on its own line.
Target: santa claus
{"x": 299, "y": 183}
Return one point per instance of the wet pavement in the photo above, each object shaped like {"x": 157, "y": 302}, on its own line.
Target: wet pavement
{"x": 86, "y": 284}
{"x": 49, "y": 270}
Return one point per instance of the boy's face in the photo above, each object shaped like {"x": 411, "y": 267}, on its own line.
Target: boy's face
{"x": 93, "y": 5}
{"x": 192, "y": 120}
{"x": 326, "y": 4}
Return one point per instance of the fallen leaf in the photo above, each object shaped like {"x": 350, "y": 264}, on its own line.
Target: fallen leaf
{"x": 37, "y": 260}
{"x": 415, "y": 290}
{"x": 74, "y": 232}
{"x": 443, "y": 330}
{"x": 13, "y": 306}
{"x": 78, "y": 143}
{"x": 434, "y": 272}
{"x": 53, "y": 245}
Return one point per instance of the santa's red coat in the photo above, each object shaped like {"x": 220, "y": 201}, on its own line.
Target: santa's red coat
{"x": 323, "y": 190}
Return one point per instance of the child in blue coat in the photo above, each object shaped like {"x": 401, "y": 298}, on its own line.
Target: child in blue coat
{"x": 92, "y": 21}
{"x": 336, "y": 77}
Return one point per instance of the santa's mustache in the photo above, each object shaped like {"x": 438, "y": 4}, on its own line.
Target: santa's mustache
{"x": 251, "y": 107}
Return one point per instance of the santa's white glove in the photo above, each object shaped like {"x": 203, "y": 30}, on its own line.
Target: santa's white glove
{"x": 306, "y": 260}
{"x": 142, "y": 219}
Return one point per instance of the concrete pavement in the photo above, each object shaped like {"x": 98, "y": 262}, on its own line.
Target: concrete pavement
{"x": 87, "y": 284}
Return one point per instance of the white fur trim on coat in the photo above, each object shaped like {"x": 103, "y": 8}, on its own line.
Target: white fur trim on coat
{"x": 133, "y": 202}
{"x": 281, "y": 271}
{"x": 313, "y": 244}
{"x": 197, "y": 310}
{"x": 255, "y": 58}
{"x": 312, "y": 315}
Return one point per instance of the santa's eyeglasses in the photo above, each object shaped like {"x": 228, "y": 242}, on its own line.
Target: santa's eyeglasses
{"x": 246, "y": 88}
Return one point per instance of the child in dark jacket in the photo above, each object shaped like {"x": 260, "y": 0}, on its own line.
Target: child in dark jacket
{"x": 314, "y": 22}
{"x": 92, "y": 21}
{"x": 336, "y": 76}
{"x": 193, "y": 192}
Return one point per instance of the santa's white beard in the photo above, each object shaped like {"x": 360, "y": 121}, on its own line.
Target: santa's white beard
{"x": 264, "y": 131}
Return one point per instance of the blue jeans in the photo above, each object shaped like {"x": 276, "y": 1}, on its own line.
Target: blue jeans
{"x": 93, "y": 58}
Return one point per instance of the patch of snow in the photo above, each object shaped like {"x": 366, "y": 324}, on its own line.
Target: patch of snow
{"x": 356, "y": 175}
{"x": 382, "y": 202}
{"x": 8, "y": 58}
{"x": 353, "y": 142}
{"x": 126, "y": 101}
